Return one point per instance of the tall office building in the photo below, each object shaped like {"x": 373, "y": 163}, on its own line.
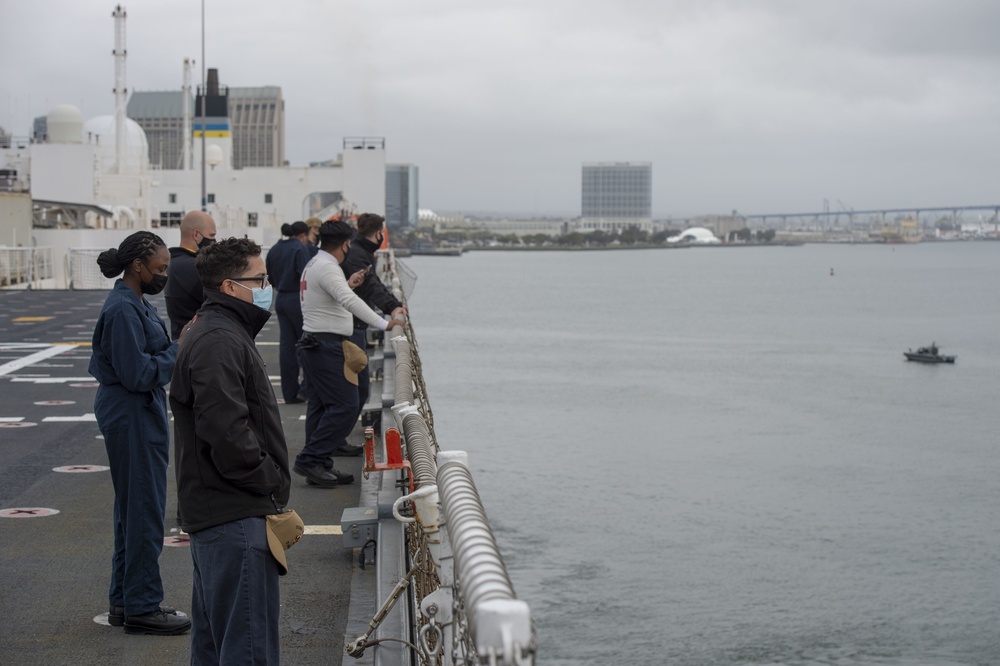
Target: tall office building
{"x": 402, "y": 195}
{"x": 256, "y": 123}
{"x": 616, "y": 195}
{"x": 160, "y": 114}
{"x": 257, "y": 116}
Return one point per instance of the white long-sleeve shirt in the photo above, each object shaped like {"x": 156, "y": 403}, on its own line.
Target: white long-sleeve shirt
{"x": 328, "y": 302}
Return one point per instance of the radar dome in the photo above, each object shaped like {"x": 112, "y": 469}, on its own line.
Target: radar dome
{"x": 65, "y": 124}
{"x": 101, "y": 131}
{"x": 214, "y": 155}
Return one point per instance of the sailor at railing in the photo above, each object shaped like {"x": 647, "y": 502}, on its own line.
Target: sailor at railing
{"x": 330, "y": 360}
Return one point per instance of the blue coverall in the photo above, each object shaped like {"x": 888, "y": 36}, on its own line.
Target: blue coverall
{"x": 285, "y": 261}
{"x": 133, "y": 359}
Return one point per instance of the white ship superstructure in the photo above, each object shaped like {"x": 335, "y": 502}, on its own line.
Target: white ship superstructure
{"x": 88, "y": 184}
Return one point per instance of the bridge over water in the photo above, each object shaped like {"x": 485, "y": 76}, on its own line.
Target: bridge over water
{"x": 835, "y": 218}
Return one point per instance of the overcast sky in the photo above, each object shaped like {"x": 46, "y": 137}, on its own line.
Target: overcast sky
{"x": 756, "y": 105}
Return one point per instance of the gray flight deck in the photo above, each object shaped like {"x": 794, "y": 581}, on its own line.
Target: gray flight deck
{"x": 54, "y": 569}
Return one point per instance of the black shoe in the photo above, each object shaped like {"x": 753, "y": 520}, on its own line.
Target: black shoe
{"x": 116, "y": 614}
{"x": 349, "y": 450}
{"x": 159, "y": 623}
{"x": 317, "y": 475}
{"x": 295, "y": 401}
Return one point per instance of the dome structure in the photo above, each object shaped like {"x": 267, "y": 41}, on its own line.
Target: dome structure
{"x": 101, "y": 131}
{"x": 65, "y": 124}
{"x": 695, "y": 236}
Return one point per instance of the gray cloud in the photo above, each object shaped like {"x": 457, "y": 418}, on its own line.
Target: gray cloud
{"x": 765, "y": 106}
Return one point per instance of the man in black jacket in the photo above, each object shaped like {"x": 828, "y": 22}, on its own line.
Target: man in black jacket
{"x": 361, "y": 256}
{"x": 231, "y": 460}
{"x": 183, "y": 293}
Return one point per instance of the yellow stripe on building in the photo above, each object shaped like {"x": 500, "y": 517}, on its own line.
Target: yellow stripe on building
{"x": 213, "y": 134}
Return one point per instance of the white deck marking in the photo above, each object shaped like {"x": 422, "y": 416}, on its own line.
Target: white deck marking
{"x": 91, "y": 418}
{"x": 11, "y": 419}
{"x": 36, "y": 379}
{"x": 54, "y": 350}
{"x": 323, "y": 529}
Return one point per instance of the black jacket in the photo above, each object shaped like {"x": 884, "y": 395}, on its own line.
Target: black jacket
{"x": 230, "y": 455}
{"x": 183, "y": 293}
{"x": 371, "y": 291}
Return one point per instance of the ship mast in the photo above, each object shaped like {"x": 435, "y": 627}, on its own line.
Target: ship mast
{"x": 187, "y": 115}
{"x": 121, "y": 92}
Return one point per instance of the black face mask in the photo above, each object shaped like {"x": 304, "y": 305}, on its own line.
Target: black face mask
{"x": 155, "y": 285}
{"x": 379, "y": 239}
{"x": 205, "y": 242}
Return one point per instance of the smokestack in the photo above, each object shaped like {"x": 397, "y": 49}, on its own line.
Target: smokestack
{"x": 212, "y": 85}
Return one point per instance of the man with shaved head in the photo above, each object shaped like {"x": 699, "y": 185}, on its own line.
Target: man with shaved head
{"x": 183, "y": 292}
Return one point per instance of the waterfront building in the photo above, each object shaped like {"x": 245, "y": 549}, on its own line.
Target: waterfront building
{"x": 722, "y": 226}
{"x": 402, "y": 195}
{"x": 529, "y": 227}
{"x": 616, "y": 196}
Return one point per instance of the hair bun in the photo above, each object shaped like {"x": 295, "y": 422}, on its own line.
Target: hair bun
{"x": 107, "y": 261}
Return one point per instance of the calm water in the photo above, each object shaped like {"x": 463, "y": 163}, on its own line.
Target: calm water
{"x": 720, "y": 456}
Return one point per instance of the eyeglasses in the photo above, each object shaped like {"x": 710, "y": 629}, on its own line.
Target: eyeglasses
{"x": 253, "y": 278}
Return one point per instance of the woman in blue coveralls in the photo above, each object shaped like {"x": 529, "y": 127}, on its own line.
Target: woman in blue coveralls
{"x": 133, "y": 359}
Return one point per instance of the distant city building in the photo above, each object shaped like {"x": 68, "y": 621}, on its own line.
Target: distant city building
{"x": 544, "y": 227}
{"x": 40, "y": 129}
{"x": 616, "y": 195}
{"x": 402, "y": 195}
{"x": 720, "y": 225}
{"x": 256, "y": 124}
{"x": 160, "y": 114}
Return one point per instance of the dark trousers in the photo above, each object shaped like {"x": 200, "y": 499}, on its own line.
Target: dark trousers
{"x": 333, "y": 403}
{"x": 135, "y": 432}
{"x": 235, "y": 599}
{"x": 289, "y": 311}
{"x": 360, "y": 338}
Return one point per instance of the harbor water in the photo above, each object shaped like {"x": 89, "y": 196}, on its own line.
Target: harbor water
{"x": 720, "y": 456}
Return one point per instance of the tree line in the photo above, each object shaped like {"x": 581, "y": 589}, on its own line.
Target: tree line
{"x": 633, "y": 236}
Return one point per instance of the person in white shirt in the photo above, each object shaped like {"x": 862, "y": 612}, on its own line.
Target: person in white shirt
{"x": 330, "y": 360}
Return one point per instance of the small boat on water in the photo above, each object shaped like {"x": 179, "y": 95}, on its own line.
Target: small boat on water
{"x": 928, "y": 355}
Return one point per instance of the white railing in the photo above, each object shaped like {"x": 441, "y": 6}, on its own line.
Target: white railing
{"x": 82, "y": 271}
{"x": 462, "y": 594}
{"x": 25, "y": 266}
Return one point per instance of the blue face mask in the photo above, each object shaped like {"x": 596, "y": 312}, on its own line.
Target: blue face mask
{"x": 261, "y": 297}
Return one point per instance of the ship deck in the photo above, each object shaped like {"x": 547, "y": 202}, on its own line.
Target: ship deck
{"x": 55, "y": 568}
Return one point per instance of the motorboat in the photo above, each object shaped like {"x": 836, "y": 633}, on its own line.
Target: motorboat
{"x": 928, "y": 355}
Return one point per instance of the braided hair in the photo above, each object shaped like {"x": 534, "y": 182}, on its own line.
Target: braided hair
{"x": 140, "y": 245}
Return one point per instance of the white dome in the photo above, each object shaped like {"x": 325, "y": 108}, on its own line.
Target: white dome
{"x": 65, "y": 124}
{"x": 214, "y": 155}
{"x": 695, "y": 236}
{"x": 101, "y": 131}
